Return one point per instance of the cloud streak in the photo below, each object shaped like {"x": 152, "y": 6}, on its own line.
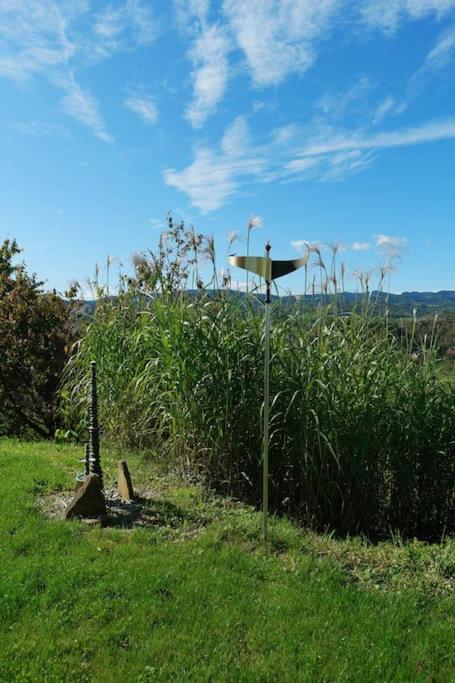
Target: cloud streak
{"x": 39, "y": 128}
{"x": 144, "y": 106}
{"x": 388, "y": 14}
{"x": 427, "y": 132}
{"x": 211, "y": 178}
{"x": 360, "y": 246}
{"x": 217, "y": 173}
{"x": 389, "y": 241}
{"x": 300, "y": 246}
{"x": 277, "y": 37}
{"x": 210, "y": 74}
{"x": 438, "y": 59}
{"x": 34, "y": 37}
{"x": 81, "y": 105}
{"x": 43, "y": 38}
{"x": 129, "y": 25}
{"x": 280, "y": 39}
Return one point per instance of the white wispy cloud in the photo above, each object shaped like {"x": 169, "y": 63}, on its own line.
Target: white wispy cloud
{"x": 284, "y": 134}
{"x": 326, "y": 155}
{"x": 391, "y": 246}
{"x": 388, "y": 106}
{"x": 301, "y": 164}
{"x": 360, "y": 246}
{"x": 211, "y": 178}
{"x": 189, "y": 10}
{"x": 299, "y": 246}
{"x": 39, "y": 128}
{"x": 336, "y": 104}
{"x": 343, "y": 164}
{"x": 388, "y": 14}
{"x": 51, "y": 38}
{"x": 34, "y": 36}
{"x": 157, "y": 223}
{"x": 258, "y": 105}
{"x": 236, "y": 138}
{"x": 280, "y": 39}
{"x": 35, "y": 41}
{"x": 383, "y": 109}
{"x": 122, "y": 27}
{"x": 277, "y": 37}
{"x": 208, "y": 55}
{"x": 436, "y": 62}
{"x": 390, "y": 241}
{"x": 438, "y": 59}
{"x": 356, "y": 103}
{"x": 303, "y": 246}
{"x": 210, "y": 73}
{"x": 84, "y": 107}
{"x": 427, "y": 132}
{"x": 144, "y": 106}
{"x": 341, "y": 153}
{"x": 214, "y": 174}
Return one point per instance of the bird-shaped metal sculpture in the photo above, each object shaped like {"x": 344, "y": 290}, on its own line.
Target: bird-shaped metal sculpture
{"x": 270, "y": 270}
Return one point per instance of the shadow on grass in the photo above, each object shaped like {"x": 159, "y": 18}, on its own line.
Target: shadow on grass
{"x": 146, "y": 512}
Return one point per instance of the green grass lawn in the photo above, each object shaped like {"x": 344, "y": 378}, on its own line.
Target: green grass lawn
{"x": 193, "y": 597}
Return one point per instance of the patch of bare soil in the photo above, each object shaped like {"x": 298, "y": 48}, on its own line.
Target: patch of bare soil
{"x": 143, "y": 511}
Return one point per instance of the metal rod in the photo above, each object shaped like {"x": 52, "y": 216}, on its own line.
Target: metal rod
{"x": 87, "y": 460}
{"x": 265, "y": 443}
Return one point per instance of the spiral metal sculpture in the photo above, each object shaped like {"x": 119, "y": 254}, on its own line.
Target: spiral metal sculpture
{"x": 91, "y": 460}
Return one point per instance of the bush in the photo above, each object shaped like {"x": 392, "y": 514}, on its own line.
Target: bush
{"x": 34, "y": 334}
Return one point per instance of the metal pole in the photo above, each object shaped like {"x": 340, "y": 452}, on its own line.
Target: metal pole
{"x": 87, "y": 460}
{"x": 265, "y": 444}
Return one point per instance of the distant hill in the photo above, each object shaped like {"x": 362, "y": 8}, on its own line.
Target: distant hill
{"x": 425, "y": 303}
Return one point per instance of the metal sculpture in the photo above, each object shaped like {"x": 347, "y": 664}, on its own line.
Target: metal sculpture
{"x": 91, "y": 460}
{"x": 93, "y": 427}
{"x": 270, "y": 270}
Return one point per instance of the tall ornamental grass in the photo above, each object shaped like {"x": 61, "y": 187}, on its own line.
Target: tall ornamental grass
{"x": 362, "y": 430}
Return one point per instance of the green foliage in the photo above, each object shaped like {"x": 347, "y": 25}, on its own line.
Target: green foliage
{"x": 204, "y": 602}
{"x": 445, "y": 333}
{"x": 33, "y": 338}
{"x": 362, "y": 431}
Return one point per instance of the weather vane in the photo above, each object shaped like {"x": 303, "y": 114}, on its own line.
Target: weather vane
{"x": 270, "y": 270}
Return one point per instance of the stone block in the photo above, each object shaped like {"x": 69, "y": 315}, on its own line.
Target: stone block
{"x": 125, "y": 487}
{"x": 88, "y": 500}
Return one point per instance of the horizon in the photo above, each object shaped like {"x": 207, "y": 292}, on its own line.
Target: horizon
{"x": 260, "y": 291}
{"x": 334, "y": 122}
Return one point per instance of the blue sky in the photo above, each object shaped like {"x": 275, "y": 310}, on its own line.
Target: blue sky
{"x": 333, "y": 120}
